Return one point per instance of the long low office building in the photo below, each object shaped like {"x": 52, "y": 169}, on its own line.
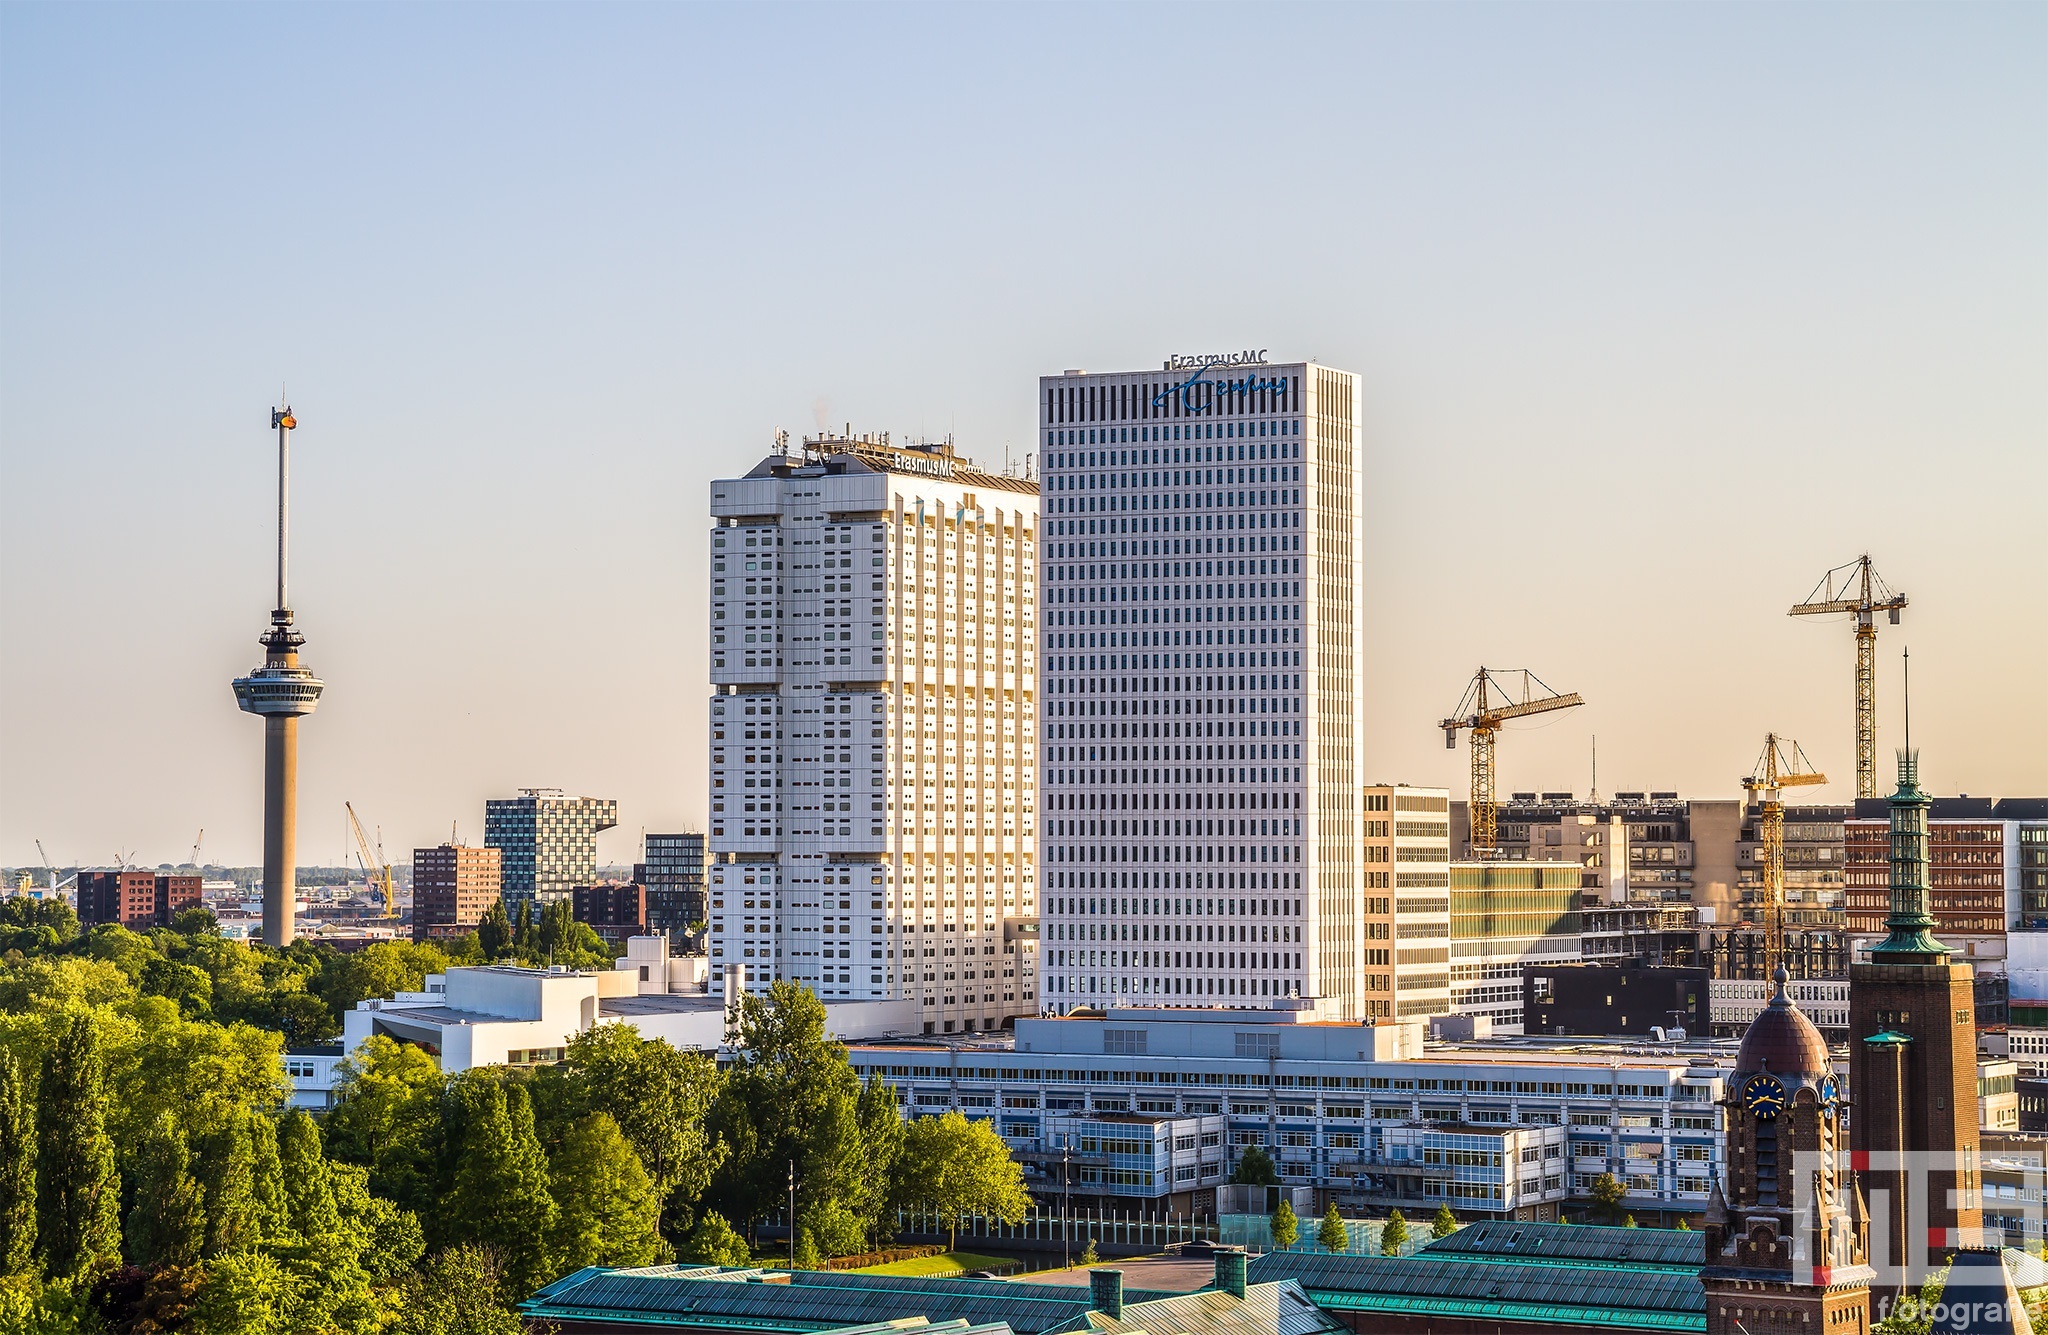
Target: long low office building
{"x": 1150, "y": 1110}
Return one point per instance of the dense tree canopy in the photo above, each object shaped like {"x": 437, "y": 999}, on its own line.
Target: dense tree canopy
{"x": 153, "y": 1178}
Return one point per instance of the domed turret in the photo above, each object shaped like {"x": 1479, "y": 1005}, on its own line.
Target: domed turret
{"x": 1783, "y": 1041}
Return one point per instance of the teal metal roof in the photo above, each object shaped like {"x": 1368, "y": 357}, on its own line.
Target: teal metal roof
{"x": 1266, "y": 1309}
{"x": 1574, "y": 1244}
{"x": 917, "y": 1325}
{"x": 1615, "y": 1296}
{"x": 804, "y": 1301}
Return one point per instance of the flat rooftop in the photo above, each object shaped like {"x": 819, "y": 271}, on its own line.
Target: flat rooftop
{"x": 1624, "y": 1050}
{"x": 684, "y": 1003}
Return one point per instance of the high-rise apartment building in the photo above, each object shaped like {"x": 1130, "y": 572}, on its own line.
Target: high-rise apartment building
{"x": 874, "y": 730}
{"x": 549, "y": 841}
{"x": 135, "y": 899}
{"x": 1201, "y": 631}
{"x": 453, "y": 887}
{"x": 674, "y": 876}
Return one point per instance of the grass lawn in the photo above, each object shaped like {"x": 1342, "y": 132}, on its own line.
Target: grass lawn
{"x": 933, "y": 1265}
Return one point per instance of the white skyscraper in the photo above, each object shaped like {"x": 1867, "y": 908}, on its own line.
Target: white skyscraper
{"x": 1200, "y": 605}
{"x": 873, "y": 724}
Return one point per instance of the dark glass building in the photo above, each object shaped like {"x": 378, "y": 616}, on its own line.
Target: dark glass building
{"x": 674, "y": 877}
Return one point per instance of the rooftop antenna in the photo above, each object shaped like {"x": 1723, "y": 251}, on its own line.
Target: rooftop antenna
{"x": 1908, "y": 656}
{"x": 1594, "y": 795}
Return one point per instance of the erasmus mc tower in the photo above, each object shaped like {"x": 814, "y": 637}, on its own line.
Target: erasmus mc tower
{"x": 1200, "y": 629}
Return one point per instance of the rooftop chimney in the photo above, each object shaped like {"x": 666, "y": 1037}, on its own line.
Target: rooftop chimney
{"x": 1230, "y": 1270}
{"x": 1106, "y": 1291}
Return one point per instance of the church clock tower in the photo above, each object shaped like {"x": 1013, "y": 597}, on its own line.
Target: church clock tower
{"x": 1788, "y": 1242}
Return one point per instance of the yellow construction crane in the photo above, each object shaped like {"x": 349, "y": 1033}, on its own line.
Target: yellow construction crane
{"x": 1855, "y": 588}
{"x": 1484, "y": 714}
{"x": 1782, "y": 765}
{"x": 375, "y": 869}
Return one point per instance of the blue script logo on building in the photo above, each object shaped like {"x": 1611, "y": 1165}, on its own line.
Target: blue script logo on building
{"x": 1204, "y": 364}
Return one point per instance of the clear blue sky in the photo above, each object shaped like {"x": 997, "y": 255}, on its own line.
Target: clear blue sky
{"x": 1661, "y": 311}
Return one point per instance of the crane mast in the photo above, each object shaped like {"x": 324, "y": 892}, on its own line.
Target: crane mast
{"x": 1481, "y": 714}
{"x": 1857, "y": 590}
{"x": 375, "y": 869}
{"x": 1782, "y": 765}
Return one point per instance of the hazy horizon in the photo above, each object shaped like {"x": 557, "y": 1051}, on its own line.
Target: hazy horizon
{"x": 1661, "y": 311}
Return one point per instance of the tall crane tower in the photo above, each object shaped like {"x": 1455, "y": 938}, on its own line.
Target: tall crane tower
{"x": 1855, "y": 588}
{"x": 1782, "y": 765}
{"x": 375, "y": 870}
{"x": 56, "y": 886}
{"x": 1483, "y": 714}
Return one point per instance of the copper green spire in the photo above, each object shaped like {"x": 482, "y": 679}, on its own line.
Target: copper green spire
{"x": 1911, "y": 939}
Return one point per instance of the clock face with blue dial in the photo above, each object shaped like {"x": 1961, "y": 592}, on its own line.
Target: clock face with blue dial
{"x": 1764, "y": 1096}
{"x": 1829, "y": 1091}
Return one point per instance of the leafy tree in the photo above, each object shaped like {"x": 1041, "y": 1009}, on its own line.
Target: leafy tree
{"x": 241, "y": 1183}
{"x": 790, "y": 1097}
{"x": 805, "y": 1255}
{"x": 501, "y": 1198}
{"x": 187, "y": 984}
{"x": 960, "y": 1167}
{"x": 78, "y": 1189}
{"x": 167, "y": 1223}
{"x": 494, "y": 932}
{"x": 1286, "y": 1226}
{"x": 1444, "y": 1224}
{"x": 658, "y": 1096}
{"x": 713, "y": 1242}
{"x": 1393, "y": 1234}
{"x": 1628, "y": 1221}
{"x": 1088, "y": 1256}
{"x": 387, "y": 1118}
{"x": 1333, "y": 1237}
{"x": 200, "y": 1073}
{"x": 608, "y": 1210}
{"x": 375, "y": 971}
{"x": 1684, "y": 1227}
{"x": 456, "y": 1292}
{"x": 67, "y": 984}
{"x": 1606, "y": 1195}
{"x": 395, "y": 1239}
{"x": 29, "y": 1307}
{"x": 248, "y": 1293}
{"x": 874, "y": 1198}
{"x": 310, "y": 1207}
{"x": 29, "y": 925}
{"x": 17, "y": 1171}
{"x": 1255, "y": 1169}
{"x": 836, "y": 1229}
{"x": 195, "y": 921}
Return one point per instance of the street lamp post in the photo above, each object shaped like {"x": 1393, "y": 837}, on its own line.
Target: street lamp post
{"x": 1066, "y": 1212}
{"x": 792, "y": 1214}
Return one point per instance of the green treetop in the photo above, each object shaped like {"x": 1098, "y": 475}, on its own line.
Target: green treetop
{"x": 1444, "y": 1224}
{"x": 1286, "y": 1225}
{"x": 1333, "y": 1236}
{"x": 78, "y": 1189}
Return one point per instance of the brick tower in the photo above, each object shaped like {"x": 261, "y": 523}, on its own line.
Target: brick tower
{"x": 1913, "y": 1066}
{"x": 1788, "y": 1243}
